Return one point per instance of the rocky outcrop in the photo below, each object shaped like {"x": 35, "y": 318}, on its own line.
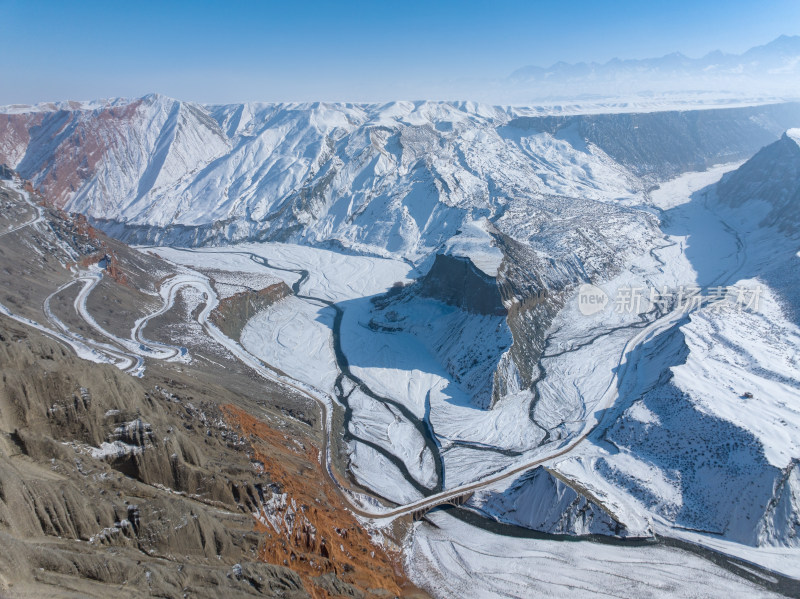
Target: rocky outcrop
{"x": 533, "y": 301}
{"x": 306, "y": 524}
{"x": 492, "y": 342}
{"x": 88, "y": 455}
{"x": 774, "y": 528}
{"x": 456, "y": 281}
{"x": 232, "y": 313}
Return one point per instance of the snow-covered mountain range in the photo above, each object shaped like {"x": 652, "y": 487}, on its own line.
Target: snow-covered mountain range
{"x": 398, "y": 178}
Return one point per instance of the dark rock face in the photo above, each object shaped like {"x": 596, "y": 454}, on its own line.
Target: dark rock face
{"x": 233, "y": 312}
{"x": 456, "y": 281}
{"x": 533, "y": 301}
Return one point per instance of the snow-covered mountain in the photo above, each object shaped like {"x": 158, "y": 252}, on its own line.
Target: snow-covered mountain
{"x": 555, "y": 200}
{"x": 397, "y": 178}
{"x": 772, "y": 179}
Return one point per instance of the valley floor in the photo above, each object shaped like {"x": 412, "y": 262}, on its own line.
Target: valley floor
{"x": 400, "y": 434}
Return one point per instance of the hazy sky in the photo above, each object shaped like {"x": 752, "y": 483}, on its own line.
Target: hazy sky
{"x": 344, "y": 51}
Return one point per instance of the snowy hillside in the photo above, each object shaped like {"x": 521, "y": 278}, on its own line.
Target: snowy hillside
{"x": 771, "y": 178}
{"x": 703, "y": 443}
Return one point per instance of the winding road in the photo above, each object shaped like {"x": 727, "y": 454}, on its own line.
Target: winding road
{"x": 38, "y": 214}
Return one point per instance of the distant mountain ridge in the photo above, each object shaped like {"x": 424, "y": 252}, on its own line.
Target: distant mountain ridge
{"x": 770, "y": 68}
{"x": 785, "y": 49}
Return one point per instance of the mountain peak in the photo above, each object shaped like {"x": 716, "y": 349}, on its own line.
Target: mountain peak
{"x": 783, "y": 40}
{"x": 157, "y": 98}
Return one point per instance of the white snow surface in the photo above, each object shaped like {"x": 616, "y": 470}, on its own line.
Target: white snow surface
{"x": 474, "y": 242}
{"x": 374, "y": 471}
{"x": 384, "y": 425}
{"x": 114, "y": 450}
{"x": 656, "y": 462}
{"x": 455, "y": 559}
{"x": 294, "y": 335}
{"x": 400, "y": 365}
{"x": 333, "y": 276}
{"x": 679, "y": 190}
{"x": 732, "y": 353}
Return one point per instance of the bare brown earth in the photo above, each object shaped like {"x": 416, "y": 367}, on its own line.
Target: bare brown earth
{"x": 117, "y": 486}
{"x": 163, "y": 516}
{"x": 315, "y": 535}
{"x": 85, "y": 141}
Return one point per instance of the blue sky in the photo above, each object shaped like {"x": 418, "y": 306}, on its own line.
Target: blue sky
{"x": 343, "y": 51}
